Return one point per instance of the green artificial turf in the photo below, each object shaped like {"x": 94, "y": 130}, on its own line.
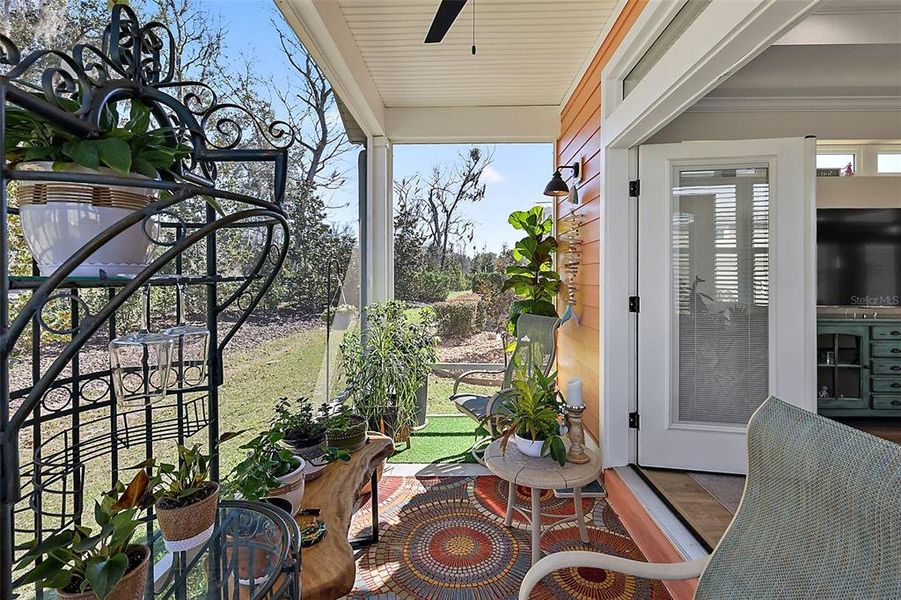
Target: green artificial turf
{"x": 445, "y": 440}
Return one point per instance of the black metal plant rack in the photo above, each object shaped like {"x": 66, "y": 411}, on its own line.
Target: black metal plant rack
{"x": 42, "y": 482}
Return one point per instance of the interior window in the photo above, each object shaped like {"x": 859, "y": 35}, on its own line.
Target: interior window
{"x": 836, "y": 160}
{"x": 888, "y": 162}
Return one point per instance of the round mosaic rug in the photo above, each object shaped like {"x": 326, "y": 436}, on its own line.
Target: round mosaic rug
{"x": 594, "y": 584}
{"x": 446, "y": 550}
{"x": 490, "y": 495}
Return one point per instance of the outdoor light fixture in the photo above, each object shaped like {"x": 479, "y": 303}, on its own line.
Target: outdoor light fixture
{"x": 556, "y": 186}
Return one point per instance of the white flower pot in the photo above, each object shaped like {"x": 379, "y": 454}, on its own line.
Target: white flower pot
{"x": 292, "y": 487}
{"x": 60, "y": 218}
{"x": 528, "y": 447}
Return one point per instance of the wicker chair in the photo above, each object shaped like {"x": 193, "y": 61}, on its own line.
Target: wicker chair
{"x": 535, "y": 344}
{"x": 820, "y": 517}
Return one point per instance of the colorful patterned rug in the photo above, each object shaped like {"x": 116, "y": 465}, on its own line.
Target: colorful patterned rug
{"x": 444, "y": 538}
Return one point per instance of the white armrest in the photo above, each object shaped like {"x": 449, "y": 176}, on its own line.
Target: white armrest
{"x": 596, "y": 560}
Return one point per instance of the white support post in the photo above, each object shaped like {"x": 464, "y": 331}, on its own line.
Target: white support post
{"x": 380, "y": 220}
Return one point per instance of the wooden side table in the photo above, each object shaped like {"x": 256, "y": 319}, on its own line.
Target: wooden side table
{"x": 541, "y": 474}
{"x": 328, "y": 568}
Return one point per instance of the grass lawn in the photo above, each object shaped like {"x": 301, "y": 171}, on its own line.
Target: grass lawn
{"x": 441, "y": 388}
{"x": 444, "y": 440}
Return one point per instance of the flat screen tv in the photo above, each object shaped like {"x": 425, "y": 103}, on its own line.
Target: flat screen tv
{"x": 859, "y": 257}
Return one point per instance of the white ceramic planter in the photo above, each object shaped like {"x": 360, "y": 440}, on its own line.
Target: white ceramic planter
{"x": 292, "y": 487}
{"x": 56, "y": 230}
{"x": 528, "y": 447}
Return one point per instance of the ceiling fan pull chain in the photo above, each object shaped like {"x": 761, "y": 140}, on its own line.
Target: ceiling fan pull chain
{"x": 473, "y": 27}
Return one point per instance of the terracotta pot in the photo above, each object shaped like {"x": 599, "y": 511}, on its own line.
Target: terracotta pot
{"x": 130, "y": 587}
{"x": 352, "y": 438}
{"x": 59, "y": 218}
{"x": 292, "y": 487}
{"x": 189, "y": 521}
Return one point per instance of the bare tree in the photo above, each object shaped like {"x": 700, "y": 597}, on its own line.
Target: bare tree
{"x": 312, "y": 111}
{"x": 438, "y": 201}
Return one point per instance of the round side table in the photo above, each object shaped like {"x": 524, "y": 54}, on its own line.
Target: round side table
{"x": 541, "y": 474}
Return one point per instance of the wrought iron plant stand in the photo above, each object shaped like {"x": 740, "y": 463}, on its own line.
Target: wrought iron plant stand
{"x": 67, "y": 427}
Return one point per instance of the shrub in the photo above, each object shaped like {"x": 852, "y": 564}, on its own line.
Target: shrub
{"x": 482, "y": 283}
{"x": 456, "y": 319}
{"x": 433, "y": 286}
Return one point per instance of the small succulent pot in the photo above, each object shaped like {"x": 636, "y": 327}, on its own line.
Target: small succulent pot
{"x": 131, "y": 586}
{"x": 184, "y": 527}
{"x": 304, "y": 443}
{"x": 351, "y": 438}
{"x": 292, "y": 487}
{"x": 528, "y": 447}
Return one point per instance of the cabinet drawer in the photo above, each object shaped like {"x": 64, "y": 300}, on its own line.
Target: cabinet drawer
{"x": 887, "y": 349}
{"x": 887, "y": 402}
{"x": 884, "y": 366}
{"x": 886, "y": 384}
{"x": 887, "y": 332}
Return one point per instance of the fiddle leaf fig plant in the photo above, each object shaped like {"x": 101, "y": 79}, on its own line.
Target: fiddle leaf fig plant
{"x": 533, "y": 279}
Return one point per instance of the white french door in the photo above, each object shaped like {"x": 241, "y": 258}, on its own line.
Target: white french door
{"x": 726, "y": 279}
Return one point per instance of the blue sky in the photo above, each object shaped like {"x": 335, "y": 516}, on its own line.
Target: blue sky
{"x": 514, "y": 180}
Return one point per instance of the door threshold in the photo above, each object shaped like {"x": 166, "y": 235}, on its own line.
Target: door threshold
{"x": 686, "y": 543}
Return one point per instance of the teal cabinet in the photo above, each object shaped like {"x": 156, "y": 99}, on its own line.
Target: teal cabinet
{"x": 858, "y": 368}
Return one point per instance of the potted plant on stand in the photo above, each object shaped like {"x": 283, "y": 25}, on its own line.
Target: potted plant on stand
{"x": 83, "y": 564}
{"x": 386, "y": 364}
{"x": 270, "y": 471}
{"x": 345, "y": 430}
{"x": 58, "y": 218}
{"x": 533, "y": 279}
{"x": 185, "y": 500}
{"x": 531, "y": 416}
{"x": 305, "y": 432}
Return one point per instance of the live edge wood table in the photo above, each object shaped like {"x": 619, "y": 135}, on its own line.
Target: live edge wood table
{"x": 541, "y": 474}
{"x": 328, "y": 569}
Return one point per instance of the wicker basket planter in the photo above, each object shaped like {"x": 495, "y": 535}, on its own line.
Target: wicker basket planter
{"x": 352, "y": 438}
{"x": 130, "y": 587}
{"x": 187, "y": 522}
{"x": 292, "y": 487}
{"x": 58, "y": 218}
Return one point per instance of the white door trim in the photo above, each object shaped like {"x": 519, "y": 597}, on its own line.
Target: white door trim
{"x": 736, "y": 43}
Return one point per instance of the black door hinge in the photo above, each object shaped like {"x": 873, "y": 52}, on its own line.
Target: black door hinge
{"x": 634, "y": 304}
{"x": 633, "y": 420}
{"x": 634, "y": 188}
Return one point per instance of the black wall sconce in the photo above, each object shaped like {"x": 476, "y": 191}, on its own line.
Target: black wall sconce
{"x": 556, "y": 187}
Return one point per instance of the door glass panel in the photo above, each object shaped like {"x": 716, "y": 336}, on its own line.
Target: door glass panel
{"x": 720, "y": 237}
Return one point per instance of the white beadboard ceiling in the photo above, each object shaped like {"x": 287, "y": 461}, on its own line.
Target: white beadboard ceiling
{"x": 529, "y": 51}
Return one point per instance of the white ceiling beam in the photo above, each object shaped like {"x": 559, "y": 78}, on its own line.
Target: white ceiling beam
{"x": 846, "y": 28}
{"x": 476, "y": 125}
{"x": 321, "y": 27}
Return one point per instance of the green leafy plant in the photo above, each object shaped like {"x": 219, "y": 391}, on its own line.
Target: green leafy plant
{"x": 338, "y": 418}
{"x": 82, "y": 558}
{"x": 297, "y": 419}
{"x": 532, "y": 410}
{"x": 176, "y": 486}
{"x": 387, "y": 363}
{"x": 129, "y": 147}
{"x": 533, "y": 279}
{"x": 267, "y": 460}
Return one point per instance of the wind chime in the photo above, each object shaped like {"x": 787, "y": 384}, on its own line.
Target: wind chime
{"x": 570, "y": 253}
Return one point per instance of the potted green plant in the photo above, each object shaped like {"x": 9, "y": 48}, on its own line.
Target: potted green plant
{"x": 84, "y": 563}
{"x": 531, "y": 415}
{"x": 387, "y": 363}
{"x": 270, "y": 471}
{"x": 58, "y": 218}
{"x": 185, "y": 500}
{"x": 345, "y": 430}
{"x": 533, "y": 279}
{"x": 302, "y": 426}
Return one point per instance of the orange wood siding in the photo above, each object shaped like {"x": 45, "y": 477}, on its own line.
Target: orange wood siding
{"x": 580, "y": 135}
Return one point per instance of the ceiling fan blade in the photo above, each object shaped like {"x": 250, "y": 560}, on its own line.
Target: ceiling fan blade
{"x": 444, "y": 18}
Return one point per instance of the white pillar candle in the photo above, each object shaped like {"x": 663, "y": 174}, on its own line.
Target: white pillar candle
{"x": 574, "y": 392}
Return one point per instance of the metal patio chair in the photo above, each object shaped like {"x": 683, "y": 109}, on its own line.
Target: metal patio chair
{"x": 820, "y": 517}
{"x": 535, "y": 345}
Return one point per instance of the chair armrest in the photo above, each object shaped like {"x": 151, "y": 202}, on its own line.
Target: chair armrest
{"x": 486, "y": 371}
{"x": 596, "y": 560}
{"x": 489, "y": 408}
